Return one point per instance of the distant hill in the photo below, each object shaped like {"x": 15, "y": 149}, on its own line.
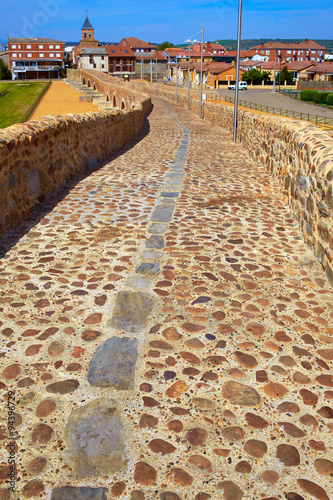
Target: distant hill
{"x": 251, "y": 42}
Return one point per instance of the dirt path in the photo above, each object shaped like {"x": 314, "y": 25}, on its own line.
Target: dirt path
{"x": 61, "y": 99}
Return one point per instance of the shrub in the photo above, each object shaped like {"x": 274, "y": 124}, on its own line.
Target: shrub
{"x": 321, "y": 97}
{"x": 329, "y": 99}
{"x": 309, "y": 94}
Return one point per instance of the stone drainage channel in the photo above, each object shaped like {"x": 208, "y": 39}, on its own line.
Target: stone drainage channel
{"x": 95, "y": 432}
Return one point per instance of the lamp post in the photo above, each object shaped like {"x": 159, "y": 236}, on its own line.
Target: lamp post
{"x": 274, "y": 77}
{"x": 237, "y": 67}
{"x": 156, "y": 75}
{"x": 201, "y": 67}
{"x": 189, "y": 74}
{"x": 176, "y": 80}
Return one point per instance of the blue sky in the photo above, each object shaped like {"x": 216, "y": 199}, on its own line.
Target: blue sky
{"x": 172, "y": 20}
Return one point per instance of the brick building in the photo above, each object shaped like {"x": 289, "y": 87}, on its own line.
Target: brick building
{"x": 308, "y": 50}
{"x": 35, "y": 58}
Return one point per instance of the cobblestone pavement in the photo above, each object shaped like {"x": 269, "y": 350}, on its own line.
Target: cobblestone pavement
{"x": 167, "y": 334}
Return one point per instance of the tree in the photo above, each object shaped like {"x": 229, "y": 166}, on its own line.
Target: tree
{"x": 285, "y": 75}
{"x": 165, "y": 45}
{"x": 5, "y": 73}
{"x": 254, "y": 75}
{"x": 266, "y": 76}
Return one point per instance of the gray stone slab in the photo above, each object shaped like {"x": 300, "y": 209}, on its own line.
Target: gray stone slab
{"x": 169, "y": 201}
{"x": 162, "y": 213}
{"x": 148, "y": 268}
{"x": 158, "y": 228}
{"x": 170, "y": 194}
{"x": 151, "y": 255}
{"x": 33, "y": 181}
{"x": 79, "y": 493}
{"x": 155, "y": 241}
{"x": 175, "y": 175}
{"x": 131, "y": 311}
{"x": 113, "y": 364}
{"x": 138, "y": 282}
{"x": 95, "y": 439}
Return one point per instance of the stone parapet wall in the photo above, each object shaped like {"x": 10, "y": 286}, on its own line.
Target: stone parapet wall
{"x": 39, "y": 156}
{"x": 298, "y": 153}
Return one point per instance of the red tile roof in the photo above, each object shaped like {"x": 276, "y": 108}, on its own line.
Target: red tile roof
{"x": 219, "y": 67}
{"x": 119, "y": 51}
{"x": 306, "y": 44}
{"x": 136, "y": 43}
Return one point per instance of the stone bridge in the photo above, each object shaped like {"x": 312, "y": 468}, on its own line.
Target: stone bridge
{"x": 166, "y": 305}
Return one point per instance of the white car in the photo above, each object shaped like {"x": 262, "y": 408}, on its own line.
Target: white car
{"x": 241, "y": 86}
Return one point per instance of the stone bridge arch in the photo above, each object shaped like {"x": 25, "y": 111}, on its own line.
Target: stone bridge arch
{"x": 89, "y": 84}
{"x": 123, "y": 104}
{"x": 94, "y": 86}
{"x": 83, "y": 80}
{"x": 114, "y": 101}
{"x": 107, "y": 97}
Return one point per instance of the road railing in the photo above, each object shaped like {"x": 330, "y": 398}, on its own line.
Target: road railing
{"x": 272, "y": 110}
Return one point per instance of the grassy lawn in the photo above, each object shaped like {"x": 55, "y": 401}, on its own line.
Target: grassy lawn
{"x": 17, "y": 101}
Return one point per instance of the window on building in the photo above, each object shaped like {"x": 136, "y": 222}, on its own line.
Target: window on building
{"x": 313, "y": 58}
{"x": 29, "y": 55}
{"x": 57, "y": 46}
{"x": 102, "y": 58}
{"x": 50, "y": 46}
{"x": 89, "y": 34}
{"x": 85, "y": 35}
{"x": 13, "y": 46}
{"x": 19, "y": 46}
{"x": 15, "y": 55}
{"x": 40, "y": 46}
{"x": 20, "y": 55}
{"x": 58, "y": 55}
{"x": 103, "y": 66}
{"x": 94, "y": 66}
{"x": 51, "y": 55}
{"x": 288, "y": 51}
{"x": 41, "y": 55}
{"x": 313, "y": 51}
{"x": 28, "y": 46}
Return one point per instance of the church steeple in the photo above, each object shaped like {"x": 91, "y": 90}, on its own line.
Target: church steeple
{"x": 87, "y": 31}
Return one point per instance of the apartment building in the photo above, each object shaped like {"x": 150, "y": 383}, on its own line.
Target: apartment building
{"x": 308, "y": 50}
{"x": 35, "y": 58}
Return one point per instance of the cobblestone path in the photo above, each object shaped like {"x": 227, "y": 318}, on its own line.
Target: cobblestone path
{"x": 166, "y": 332}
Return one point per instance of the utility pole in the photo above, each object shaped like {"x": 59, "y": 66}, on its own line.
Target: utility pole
{"x": 189, "y": 75}
{"x": 274, "y": 78}
{"x": 237, "y": 66}
{"x": 176, "y": 80}
{"x": 156, "y": 75}
{"x": 201, "y": 68}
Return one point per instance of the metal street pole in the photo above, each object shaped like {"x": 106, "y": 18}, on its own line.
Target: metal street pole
{"x": 274, "y": 78}
{"x": 156, "y": 75}
{"x": 176, "y": 80}
{"x": 132, "y": 73}
{"x": 201, "y": 68}
{"x": 143, "y": 73}
{"x": 189, "y": 81}
{"x": 237, "y": 66}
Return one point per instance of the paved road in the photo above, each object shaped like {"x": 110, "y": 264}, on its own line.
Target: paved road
{"x": 167, "y": 334}
{"x": 268, "y": 98}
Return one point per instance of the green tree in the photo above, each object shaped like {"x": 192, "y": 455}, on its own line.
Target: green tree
{"x": 5, "y": 73}
{"x": 266, "y": 76}
{"x": 285, "y": 75}
{"x": 254, "y": 75}
{"x": 165, "y": 45}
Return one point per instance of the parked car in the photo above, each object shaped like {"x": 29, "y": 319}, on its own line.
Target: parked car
{"x": 241, "y": 86}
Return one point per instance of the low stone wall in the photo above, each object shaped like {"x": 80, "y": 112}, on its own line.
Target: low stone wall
{"x": 39, "y": 156}
{"x": 119, "y": 96}
{"x": 298, "y": 153}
